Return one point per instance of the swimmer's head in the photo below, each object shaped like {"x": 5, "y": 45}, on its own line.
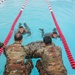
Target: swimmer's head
{"x": 54, "y": 35}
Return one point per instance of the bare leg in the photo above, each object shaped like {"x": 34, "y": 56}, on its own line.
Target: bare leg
{"x": 42, "y": 31}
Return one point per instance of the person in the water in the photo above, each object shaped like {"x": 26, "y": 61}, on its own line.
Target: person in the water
{"x": 54, "y": 34}
{"x": 24, "y": 30}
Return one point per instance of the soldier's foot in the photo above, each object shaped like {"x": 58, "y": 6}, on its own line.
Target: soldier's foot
{"x": 20, "y": 25}
{"x": 41, "y": 29}
{"x": 25, "y": 25}
{"x": 54, "y": 30}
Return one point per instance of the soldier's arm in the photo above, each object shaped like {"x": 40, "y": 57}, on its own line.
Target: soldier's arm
{"x": 29, "y": 52}
{"x": 59, "y": 52}
{"x": 38, "y": 53}
{"x": 33, "y": 53}
{"x": 29, "y": 33}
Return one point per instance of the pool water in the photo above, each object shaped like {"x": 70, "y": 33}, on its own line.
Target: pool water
{"x": 37, "y": 15}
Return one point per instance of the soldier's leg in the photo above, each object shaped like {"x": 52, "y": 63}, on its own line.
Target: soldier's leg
{"x": 42, "y": 30}
{"x": 20, "y": 24}
{"x": 29, "y": 66}
{"x": 40, "y": 68}
{"x": 27, "y": 29}
{"x": 54, "y": 30}
{"x": 25, "y": 25}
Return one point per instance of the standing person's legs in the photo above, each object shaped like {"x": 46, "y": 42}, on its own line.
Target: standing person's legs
{"x": 40, "y": 68}
{"x": 29, "y": 66}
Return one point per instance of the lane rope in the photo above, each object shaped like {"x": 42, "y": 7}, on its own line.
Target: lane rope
{"x": 68, "y": 52}
{"x": 2, "y": 1}
{"x": 13, "y": 26}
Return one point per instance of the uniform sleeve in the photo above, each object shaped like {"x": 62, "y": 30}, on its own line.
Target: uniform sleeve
{"x": 59, "y": 48}
{"x": 59, "y": 51}
{"x": 6, "y": 50}
{"x": 29, "y": 52}
{"x": 26, "y": 48}
{"x": 38, "y": 53}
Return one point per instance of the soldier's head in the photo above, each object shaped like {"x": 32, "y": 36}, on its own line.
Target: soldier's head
{"x": 18, "y": 37}
{"x": 47, "y": 40}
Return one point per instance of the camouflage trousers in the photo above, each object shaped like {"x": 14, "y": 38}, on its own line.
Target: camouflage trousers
{"x": 29, "y": 66}
{"x": 42, "y": 70}
{"x": 15, "y": 69}
{"x": 19, "y": 69}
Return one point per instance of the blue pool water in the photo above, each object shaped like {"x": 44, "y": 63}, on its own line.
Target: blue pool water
{"x": 37, "y": 15}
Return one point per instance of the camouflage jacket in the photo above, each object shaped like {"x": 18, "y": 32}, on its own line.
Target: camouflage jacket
{"x": 51, "y": 58}
{"x": 15, "y": 55}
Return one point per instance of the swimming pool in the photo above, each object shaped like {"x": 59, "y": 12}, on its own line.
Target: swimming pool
{"x": 36, "y": 14}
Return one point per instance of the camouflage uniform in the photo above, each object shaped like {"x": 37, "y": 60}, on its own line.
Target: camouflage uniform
{"x": 40, "y": 68}
{"x": 15, "y": 54}
{"x": 25, "y": 30}
{"x": 29, "y": 66}
{"x": 51, "y": 63}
